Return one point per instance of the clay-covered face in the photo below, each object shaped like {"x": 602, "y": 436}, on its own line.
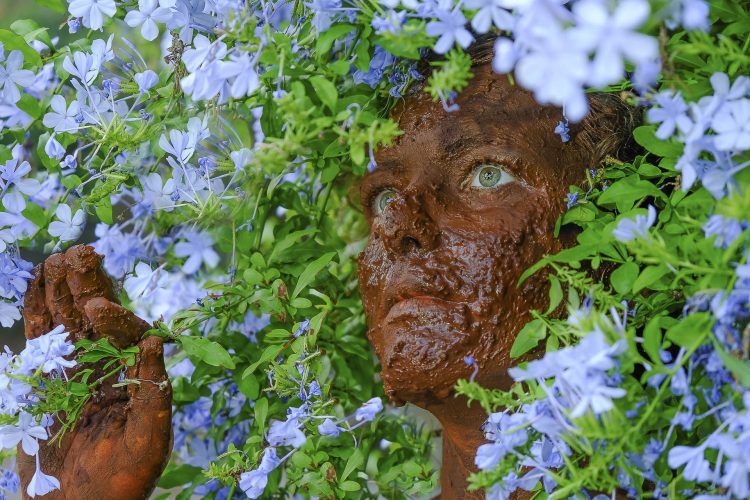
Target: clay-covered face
{"x": 459, "y": 207}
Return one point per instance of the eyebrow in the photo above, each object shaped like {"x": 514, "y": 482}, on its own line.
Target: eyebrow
{"x": 453, "y": 142}
{"x": 390, "y": 165}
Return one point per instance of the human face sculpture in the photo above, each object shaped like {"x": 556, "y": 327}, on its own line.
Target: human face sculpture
{"x": 459, "y": 207}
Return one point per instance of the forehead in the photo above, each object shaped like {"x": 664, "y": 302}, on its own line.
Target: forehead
{"x": 492, "y": 113}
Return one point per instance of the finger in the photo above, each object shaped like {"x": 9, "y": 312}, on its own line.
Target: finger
{"x": 37, "y": 320}
{"x": 86, "y": 277}
{"x": 150, "y": 412}
{"x": 110, "y": 320}
{"x": 58, "y": 298}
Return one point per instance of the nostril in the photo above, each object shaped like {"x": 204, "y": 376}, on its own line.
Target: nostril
{"x": 409, "y": 243}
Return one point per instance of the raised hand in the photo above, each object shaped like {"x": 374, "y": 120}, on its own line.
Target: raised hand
{"x": 123, "y": 438}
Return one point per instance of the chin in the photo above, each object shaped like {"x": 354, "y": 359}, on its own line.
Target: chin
{"x": 421, "y": 345}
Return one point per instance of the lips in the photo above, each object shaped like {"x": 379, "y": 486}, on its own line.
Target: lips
{"x": 415, "y": 306}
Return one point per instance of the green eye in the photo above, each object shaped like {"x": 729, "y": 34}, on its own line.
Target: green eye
{"x": 489, "y": 176}
{"x": 382, "y": 200}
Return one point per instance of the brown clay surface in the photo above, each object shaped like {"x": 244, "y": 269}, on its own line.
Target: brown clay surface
{"x": 123, "y": 439}
{"x": 438, "y": 276}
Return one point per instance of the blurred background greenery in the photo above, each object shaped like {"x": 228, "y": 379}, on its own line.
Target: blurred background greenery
{"x": 12, "y": 10}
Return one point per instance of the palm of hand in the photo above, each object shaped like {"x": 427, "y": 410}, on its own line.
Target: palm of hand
{"x": 122, "y": 440}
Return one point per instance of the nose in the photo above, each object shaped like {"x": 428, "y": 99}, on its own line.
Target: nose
{"x": 405, "y": 226}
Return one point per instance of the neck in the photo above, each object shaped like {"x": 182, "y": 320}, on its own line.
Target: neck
{"x": 462, "y": 435}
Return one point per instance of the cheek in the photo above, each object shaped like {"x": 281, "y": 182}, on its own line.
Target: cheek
{"x": 484, "y": 273}
{"x": 371, "y": 270}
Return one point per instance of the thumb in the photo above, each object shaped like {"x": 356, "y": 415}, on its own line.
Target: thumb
{"x": 149, "y": 423}
{"x": 150, "y": 370}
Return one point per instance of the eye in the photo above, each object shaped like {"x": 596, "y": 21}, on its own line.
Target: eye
{"x": 490, "y": 176}
{"x": 382, "y": 200}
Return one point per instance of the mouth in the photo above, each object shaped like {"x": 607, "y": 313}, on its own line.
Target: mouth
{"x": 416, "y": 306}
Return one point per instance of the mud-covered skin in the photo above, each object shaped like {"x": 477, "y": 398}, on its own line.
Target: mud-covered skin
{"x": 438, "y": 276}
{"x": 123, "y": 439}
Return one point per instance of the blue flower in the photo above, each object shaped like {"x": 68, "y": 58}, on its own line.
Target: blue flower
{"x": 450, "y": 27}
{"x": 146, "y": 80}
{"x": 9, "y": 481}
{"x": 629, "y": 229}
{"x": 732, "y": 126}
{"x": 736, "y": 475}
{"x": 563, "y": 130}
{"x": 691, "y": 14}
{"x": 41, "y": 483}
{"x": 613, "y": 37}
{"x": 92, "y": 12}
{"x": 323, "y": 12}
{"x": 490, "y": 12}
{"x": 198, "y": 248}
{"x": 572, "y": 200}
{"x": 489, "y": 455}
{"x": 270, "y": 460}
{"x": 14, "y": 276}
{"x": 329, "y": 428}
{"x": 390, "y": 23}
{"x": 726, "y": 230}
{"x": 27, "y": 431}
{"x": 369, "y": 410}
{"x": 253, "y": 482}
{"x": 286, "y": 433}
{"x": 302, "y": 328}
{"x": 380, "y": 62}
{"x": 73, "y": 25}
{"x": 672, "y": 113}
{"x": 53, "y": 148}
{"x": 48, "y": 351}
{"x": 314, "y": 389}
{"x": 697, "y": 467}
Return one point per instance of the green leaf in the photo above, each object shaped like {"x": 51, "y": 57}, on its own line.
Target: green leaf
{"x": 349, "y": 486}
{"x": 739, "y": 368}
{"x": 103, "y": 210}
{"x": 627, "y": 191}
{"x": 59, "y": 6}
{"x": 289, "y": 240}
{"x": 579, "y": 213}
{"x": 646, "y": 136}
{"x": 30, "y": 105}
{"x": 326, "y": 91}
{"x": 11, "y": 42}
{"x": 555, "y": 293}
{"x": 649, "y": 276}
{"x": 71, "y": 181}
{"x": 30, "y": 31}
{"x": 355, "y": 461}
{"x": 35, "y": 214}
{"x": 249, "y": 386}
{"x": 206, "y": 350}
{"x": 252, "y": 277}
{"x": 623, "y": 277}
{"x": 179, "y": 475}
{"x": 686, "y": 332}
{"x": 270, "y": 353}
{"x": 652, "y": 339}
{"x": 528, "y": 338}
{"x": 312, "y": 269}
{"x": 261, "y": 413}
{"x": 340, "y": 67}
{"x": 335, "y": 32}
